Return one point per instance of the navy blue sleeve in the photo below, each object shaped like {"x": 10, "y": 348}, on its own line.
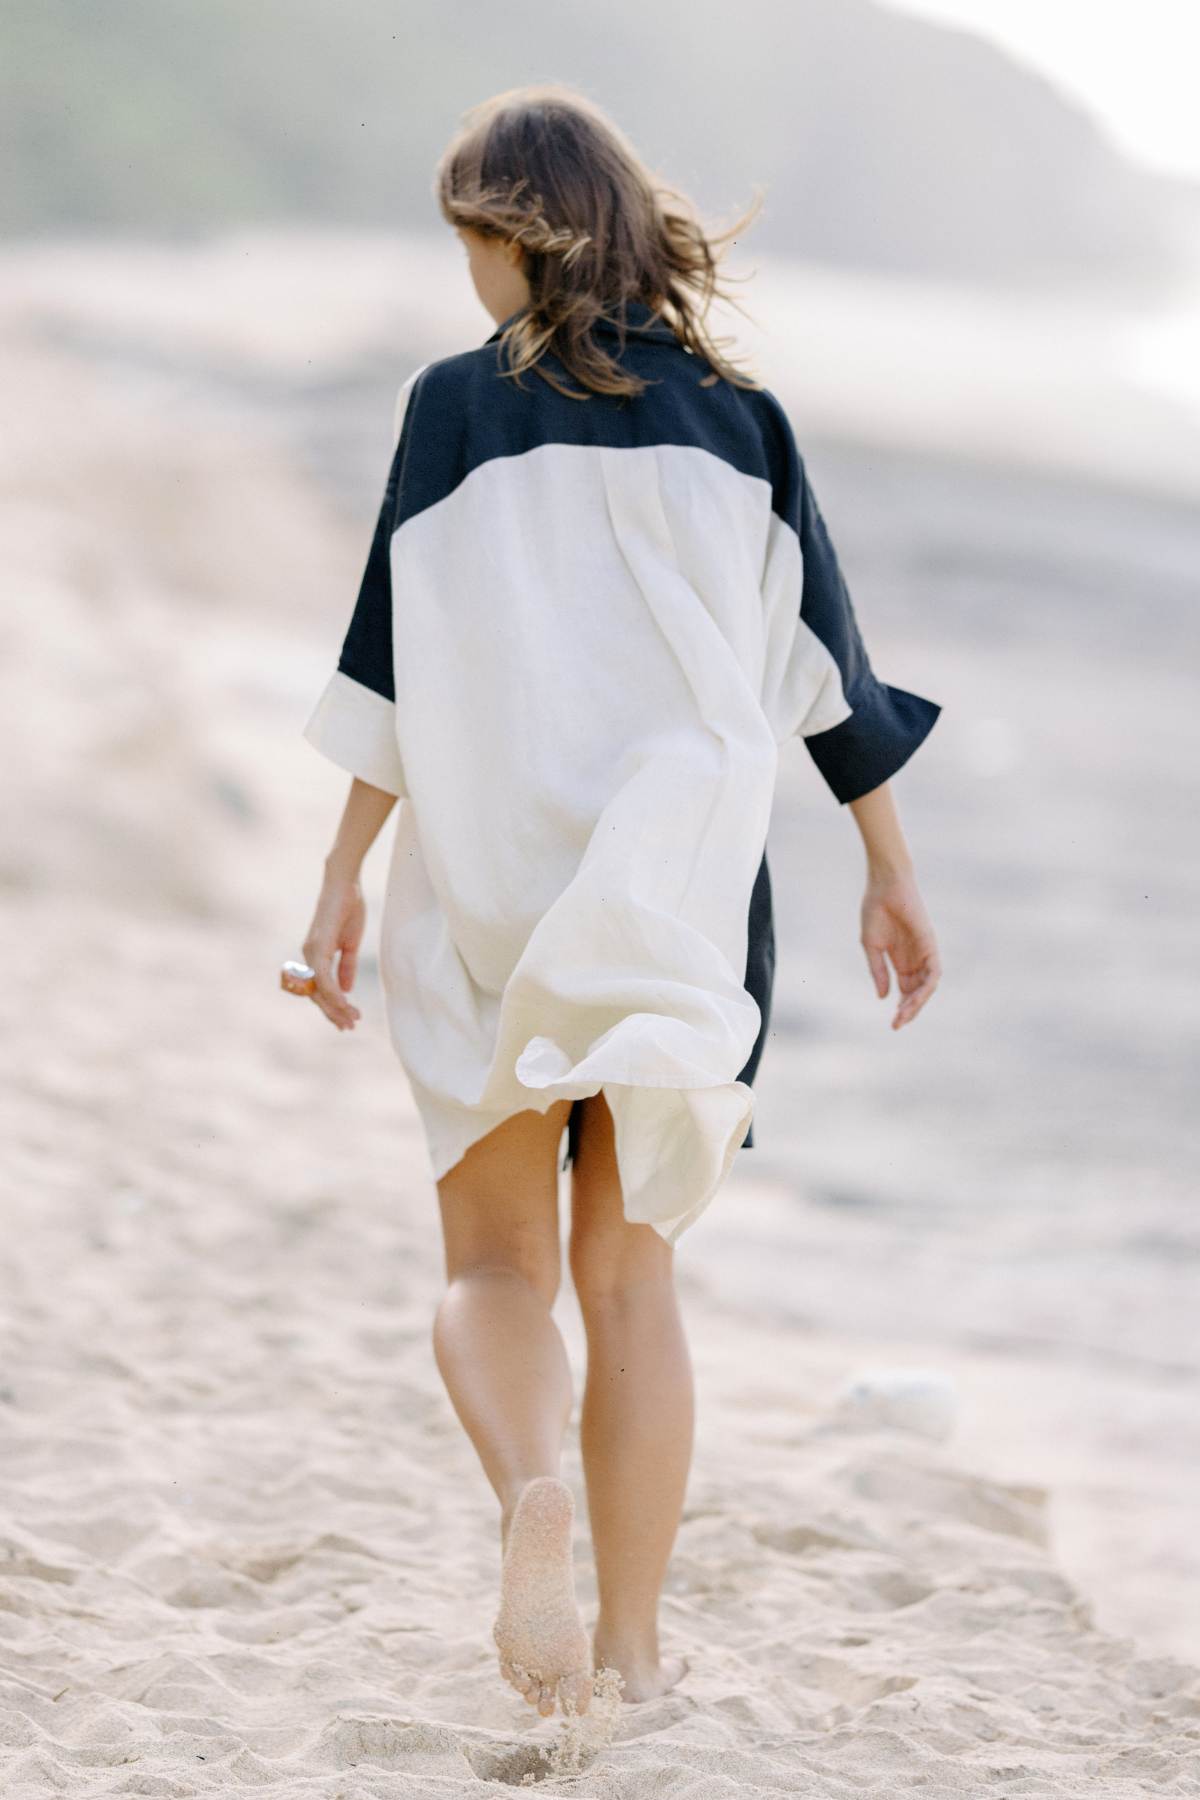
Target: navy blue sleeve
{"x": 882, "y": 725}
{"x": 886, "y": 723}
{"x": 366, "y": 654}
{"x": 354, "y": 720}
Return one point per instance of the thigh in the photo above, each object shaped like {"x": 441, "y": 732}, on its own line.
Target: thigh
{"x": 607, "y": 1251}
{"x": 499, "y": 1203}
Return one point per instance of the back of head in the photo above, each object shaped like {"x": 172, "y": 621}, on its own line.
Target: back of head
{"x": 545, "y": 168}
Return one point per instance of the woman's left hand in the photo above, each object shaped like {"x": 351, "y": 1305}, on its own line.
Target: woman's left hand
{"x": 896, "y": 924}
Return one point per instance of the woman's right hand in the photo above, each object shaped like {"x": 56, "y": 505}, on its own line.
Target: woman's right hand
{"x": 336, "y": 931}
{"x": 896, "y": 924}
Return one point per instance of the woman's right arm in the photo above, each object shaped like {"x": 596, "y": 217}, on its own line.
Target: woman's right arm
{"x": 858, "y": 730}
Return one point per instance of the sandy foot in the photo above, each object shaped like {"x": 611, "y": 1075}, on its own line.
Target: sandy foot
{"x": 539, "y": 1631}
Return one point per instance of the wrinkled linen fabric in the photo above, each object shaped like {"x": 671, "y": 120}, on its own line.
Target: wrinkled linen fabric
{"x": 584, "y": 629}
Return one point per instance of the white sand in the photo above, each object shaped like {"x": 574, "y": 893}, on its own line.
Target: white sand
{"x": 245, "y": 1543}
{"x": 243, "y": 1540}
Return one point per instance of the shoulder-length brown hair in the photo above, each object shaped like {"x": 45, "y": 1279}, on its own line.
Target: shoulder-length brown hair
{"x": 544, "y": 167}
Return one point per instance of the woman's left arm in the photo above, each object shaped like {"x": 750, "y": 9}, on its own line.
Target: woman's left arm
{"x": 894, "y": 920}
{"x": 340, "y": 915}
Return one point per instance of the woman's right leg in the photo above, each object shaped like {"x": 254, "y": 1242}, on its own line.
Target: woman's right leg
{"x": 636, "y": 1426}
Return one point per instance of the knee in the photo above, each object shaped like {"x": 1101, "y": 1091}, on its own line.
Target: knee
{"x": 610, "y": 1266}
{"x": 542, "y": 1272}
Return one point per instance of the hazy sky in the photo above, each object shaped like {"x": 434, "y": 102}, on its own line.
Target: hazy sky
{"x": 1132, "y": 62}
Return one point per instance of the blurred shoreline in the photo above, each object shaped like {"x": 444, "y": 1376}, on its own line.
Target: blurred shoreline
{"x": 1058, "y": 383}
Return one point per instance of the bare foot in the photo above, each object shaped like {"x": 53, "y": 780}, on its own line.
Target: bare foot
{"x": 641, "y": 1680}
{"x": 539, "y": 1631}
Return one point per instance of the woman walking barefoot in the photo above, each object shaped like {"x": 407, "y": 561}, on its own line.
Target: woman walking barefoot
{"x": 599, "y": 597}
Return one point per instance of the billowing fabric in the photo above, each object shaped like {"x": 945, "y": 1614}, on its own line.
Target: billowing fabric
{"x": 584, "y": 628}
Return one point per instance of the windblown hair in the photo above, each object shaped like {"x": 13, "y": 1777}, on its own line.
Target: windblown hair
{"x": 544, "y": 167}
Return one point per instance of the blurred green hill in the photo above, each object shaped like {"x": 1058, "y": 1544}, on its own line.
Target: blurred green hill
{"x": 883, "y": 141}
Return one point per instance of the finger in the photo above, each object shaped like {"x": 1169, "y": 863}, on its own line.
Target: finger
{"x": 319, "y": 956}
{"x": 347, "y": 968}
{"x": 324, "y": 996}
{"x": 877, "y": 963}
{"x": 321, "y": 1001}
{"x": 913, "y": 964}
{"x": 911, "y": 1005}
{"x": 329, "y": 999}
{"x": 915, "y": 981}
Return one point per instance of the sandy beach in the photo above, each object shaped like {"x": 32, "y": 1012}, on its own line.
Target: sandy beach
{"x": 244, "y": 1542}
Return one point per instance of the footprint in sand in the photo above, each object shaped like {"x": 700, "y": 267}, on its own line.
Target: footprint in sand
{"x": 539, "y": 1631}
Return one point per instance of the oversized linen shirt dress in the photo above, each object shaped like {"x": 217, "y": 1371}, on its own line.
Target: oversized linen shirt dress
{"x": 584, "y": 628}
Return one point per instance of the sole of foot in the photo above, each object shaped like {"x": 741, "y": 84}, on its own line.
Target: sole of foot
{"x": 539, "y": 1631}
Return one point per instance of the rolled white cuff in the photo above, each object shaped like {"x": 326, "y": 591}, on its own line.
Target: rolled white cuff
{"x": 356, "y": 729}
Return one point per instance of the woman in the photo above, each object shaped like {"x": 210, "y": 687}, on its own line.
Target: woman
{"x": 599, "y": 596}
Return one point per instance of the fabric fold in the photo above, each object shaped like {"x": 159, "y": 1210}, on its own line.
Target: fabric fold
{"x": 583, "y": 631}
{"x": 355, "y": 728}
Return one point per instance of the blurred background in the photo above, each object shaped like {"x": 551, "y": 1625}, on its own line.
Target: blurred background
{"x": 976, "y": 286}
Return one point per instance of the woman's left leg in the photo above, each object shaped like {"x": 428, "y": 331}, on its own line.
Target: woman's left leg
{"x": 506, "y": 1369}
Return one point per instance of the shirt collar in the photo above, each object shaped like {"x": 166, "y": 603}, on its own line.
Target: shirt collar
{"x": 639, "y": 320}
